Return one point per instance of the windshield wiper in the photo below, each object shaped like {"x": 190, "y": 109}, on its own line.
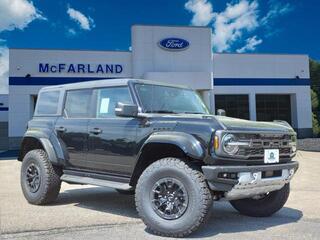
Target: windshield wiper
{"x": 160, "y": 111}
{"x": 194, "y": 113}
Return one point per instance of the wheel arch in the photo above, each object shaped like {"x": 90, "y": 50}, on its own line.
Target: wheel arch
{"x": 50, "y": 144}
{"x": 167, "y": 144}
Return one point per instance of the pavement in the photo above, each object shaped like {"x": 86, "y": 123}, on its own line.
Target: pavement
{"x": 88, "y": 212}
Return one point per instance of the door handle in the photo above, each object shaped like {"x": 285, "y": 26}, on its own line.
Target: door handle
{"x": 96, "y": 131}
{"x": 61, "y": 129}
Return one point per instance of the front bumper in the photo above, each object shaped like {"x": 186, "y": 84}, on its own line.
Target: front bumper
{"x": 250, "y": 180}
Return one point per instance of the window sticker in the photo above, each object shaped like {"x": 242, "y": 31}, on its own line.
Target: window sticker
{"x": 104, "y": 105}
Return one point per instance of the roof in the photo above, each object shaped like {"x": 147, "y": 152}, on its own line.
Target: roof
{"x": 106, "y": 83}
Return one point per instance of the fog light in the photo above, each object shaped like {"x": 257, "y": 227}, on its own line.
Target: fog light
{"x": 227, "y": 175}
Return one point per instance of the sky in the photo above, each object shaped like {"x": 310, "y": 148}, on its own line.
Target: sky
{"x": 242, "y": 26}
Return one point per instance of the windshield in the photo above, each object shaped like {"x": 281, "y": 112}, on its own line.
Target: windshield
{"x": 164, "y": 99}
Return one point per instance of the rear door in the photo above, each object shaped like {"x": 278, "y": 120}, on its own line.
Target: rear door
{"x": 112, "y": 139}
{"x": 72, "y": 128}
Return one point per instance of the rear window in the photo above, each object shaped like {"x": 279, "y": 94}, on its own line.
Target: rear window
{"x": 47, "y": 103}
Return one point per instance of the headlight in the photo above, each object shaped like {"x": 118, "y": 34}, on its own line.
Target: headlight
{"x": 229, "y": 144}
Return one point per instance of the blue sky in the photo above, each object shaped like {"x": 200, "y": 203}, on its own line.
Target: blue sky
{"x": 259, "y": 26}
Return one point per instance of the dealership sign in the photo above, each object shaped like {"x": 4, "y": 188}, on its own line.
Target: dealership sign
{"x": 174, "y": 44}
{"x": 80, "y": 68}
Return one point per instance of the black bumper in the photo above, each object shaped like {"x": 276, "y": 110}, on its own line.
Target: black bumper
{"x": 222, "y": 184}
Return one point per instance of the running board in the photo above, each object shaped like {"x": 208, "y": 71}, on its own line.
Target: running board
{"x": 95, "y": 181}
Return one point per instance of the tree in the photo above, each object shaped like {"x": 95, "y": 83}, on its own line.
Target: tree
{"x": 314, "y": 100}
{"x": 315, "y": 75}
{"x": 315, "y": 125}
{"x": 315, "y": 95}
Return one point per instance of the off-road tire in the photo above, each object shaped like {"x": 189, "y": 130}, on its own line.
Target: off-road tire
{"x": 264, "y": 207}
{"x": 199, "y": 198}
{"x": 50, "y": 182}
{"x": 126, "y": 192}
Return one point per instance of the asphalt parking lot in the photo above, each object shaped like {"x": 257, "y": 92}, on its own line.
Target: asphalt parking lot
{"x": 88, "y": 212}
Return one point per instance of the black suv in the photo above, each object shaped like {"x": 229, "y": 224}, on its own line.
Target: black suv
{"x": 159, "y": 142}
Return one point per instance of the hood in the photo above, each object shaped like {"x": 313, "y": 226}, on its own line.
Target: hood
{"x": 246, "y": 125}
{"x": 222, "y": 122}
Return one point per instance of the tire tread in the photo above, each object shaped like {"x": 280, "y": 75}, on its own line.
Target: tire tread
{"x": 52, "y": 183}
{"x": 197, "y": 176}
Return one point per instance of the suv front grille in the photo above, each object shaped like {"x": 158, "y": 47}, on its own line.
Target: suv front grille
{"x": 260, "y": 142}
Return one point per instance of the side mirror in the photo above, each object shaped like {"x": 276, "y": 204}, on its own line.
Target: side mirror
{"x": 221, "y": 112}
{"x": 126, "y": 110}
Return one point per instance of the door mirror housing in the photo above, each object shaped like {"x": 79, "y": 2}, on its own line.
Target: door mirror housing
{"x": 221, "y": 112}
{"x": 126, "y": 110}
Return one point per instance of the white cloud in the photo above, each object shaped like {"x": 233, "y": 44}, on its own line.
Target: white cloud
{"x": 233, "y": 22}
{"x": 86, "y": 23}
{"x": 239, "y": 19}
{"x": 251, "y": 44}
{"x": 4, "y": 69}
{"x": 14, "y": 14}
{"x": 202, "y": 10}
{"x": 276, "y": 9}
{"x": 17, "y": 14}
{"x": 71, "y": 32}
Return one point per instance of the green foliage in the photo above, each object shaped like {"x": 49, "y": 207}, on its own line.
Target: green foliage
{"x": 315, "y": 95}
{"x": 314, "y": 100}
{"x": 315, "y": 125}
{"x": 315, "y": 75}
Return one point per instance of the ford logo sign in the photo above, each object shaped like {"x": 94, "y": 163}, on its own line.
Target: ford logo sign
{"x": 174, "y": 44}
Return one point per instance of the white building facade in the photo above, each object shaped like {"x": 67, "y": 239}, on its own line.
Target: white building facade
{"x": 261, "y": 87}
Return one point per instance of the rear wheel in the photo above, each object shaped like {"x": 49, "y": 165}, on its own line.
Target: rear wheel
{"x": 263, "y": 205}
{"x": 40, "y": 180}
{"x": 173, "y": 198}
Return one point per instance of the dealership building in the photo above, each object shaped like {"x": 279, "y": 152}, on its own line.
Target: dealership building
{"x": 262, "y": 87}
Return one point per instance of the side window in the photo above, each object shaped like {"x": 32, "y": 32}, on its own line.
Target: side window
{"x": 78, "y": 103}
{"x": 48, "y": 103}
{"x": 107, "y": 98}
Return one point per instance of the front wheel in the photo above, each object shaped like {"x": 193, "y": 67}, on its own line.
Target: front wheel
{"x": 172, "y": 198}
{"x": 263, "y": 205}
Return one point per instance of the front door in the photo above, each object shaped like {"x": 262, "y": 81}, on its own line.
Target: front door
{"x": 72, "y": 128}
{"x": 112, "y": 139}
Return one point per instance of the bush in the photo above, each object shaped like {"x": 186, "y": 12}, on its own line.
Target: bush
{"x": 315, "y": 125}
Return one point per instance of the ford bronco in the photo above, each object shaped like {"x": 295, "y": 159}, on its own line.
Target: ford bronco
{"x": 159, "y": 142}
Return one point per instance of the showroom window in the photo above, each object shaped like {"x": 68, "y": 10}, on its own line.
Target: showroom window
{"x": 273, "y": 107}
{"x": 235, "y": 105}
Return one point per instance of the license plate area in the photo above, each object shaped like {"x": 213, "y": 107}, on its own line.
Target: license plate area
{"x": 271, "y": 174}
{"x": 271, "y": 155}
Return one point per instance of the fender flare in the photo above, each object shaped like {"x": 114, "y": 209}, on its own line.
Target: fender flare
{"x": 191, "y": 146}
{"x": 50, "y": 144}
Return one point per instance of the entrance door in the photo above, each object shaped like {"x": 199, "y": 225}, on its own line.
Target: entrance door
{"x": 112, "y": 139}
{"x": 72, "y": 128}
{"x": 273, "y": 107}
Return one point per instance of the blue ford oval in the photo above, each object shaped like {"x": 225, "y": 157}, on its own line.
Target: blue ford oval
{"x": 174, "y": 44}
